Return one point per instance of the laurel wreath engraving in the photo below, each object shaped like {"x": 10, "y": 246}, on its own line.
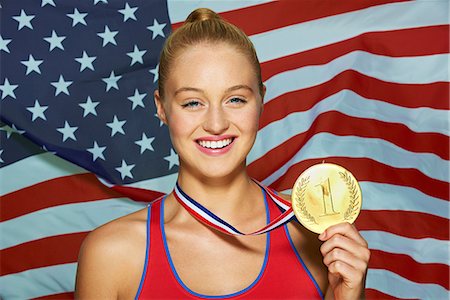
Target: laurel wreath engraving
{"x": 300, "y": 194}
{"x": 354, "y": 202}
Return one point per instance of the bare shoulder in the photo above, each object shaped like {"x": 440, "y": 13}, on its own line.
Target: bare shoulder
{"x": 111, "y": 258}
{"x": 308, "y": 247}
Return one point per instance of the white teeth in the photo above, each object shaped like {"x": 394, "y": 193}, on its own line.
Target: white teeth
{"x": 215, "y": 144}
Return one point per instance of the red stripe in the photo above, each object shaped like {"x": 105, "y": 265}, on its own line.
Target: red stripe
{"x": 409, "y": 224}
{"x": 408, "y": 268}
{"x": 284, "y": 13}
{"x": 431, "y": 95}
{"x": 340, "y": 124}
{"x": 397, "y": 43}
{"x": 82, "y": 187}
{"x": 364, "y": 169}
{"x": 62, "y": 296}
{"x": 375, "y": 294}
{"x": 55, "y": 250}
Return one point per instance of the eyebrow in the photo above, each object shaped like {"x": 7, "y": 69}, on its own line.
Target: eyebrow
{"x": 230, "y": 89}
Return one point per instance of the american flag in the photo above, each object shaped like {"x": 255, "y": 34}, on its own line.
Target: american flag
{"x": 364, "y": 84}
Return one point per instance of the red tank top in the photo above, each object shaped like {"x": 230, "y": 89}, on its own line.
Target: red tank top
{"x": 282, "y": 276}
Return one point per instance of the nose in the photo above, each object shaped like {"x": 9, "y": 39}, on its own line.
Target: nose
{"x": 216, "y": 121}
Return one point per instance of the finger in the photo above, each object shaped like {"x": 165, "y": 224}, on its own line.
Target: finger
{"x": 344, "y": 243}
{"x": 346, "y": 229}
{"x": 351, "y": 276}
{"x": 346, "y": 257}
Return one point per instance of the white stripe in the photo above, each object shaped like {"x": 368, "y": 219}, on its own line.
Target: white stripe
{"x": 383, "y": 196}
{"x": 412, "y": 70}
{"x": 204, "y": 215}
{"x": 426, "y": 250}
{"x": 33, "y": 170}
{"x": 422, "y": 119}
{"x": 393, "y": 284}
{"x": 310, "y": 35}
{"x": 180, "y": 9}
{"x": 38, "y": 282}
{"x": 324, "y": 145}
{"x": 163, "y": 184}
{"x": 63, "y": 219}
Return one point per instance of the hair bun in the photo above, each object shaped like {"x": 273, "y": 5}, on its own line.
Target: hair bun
{"x": 202, "y": 14}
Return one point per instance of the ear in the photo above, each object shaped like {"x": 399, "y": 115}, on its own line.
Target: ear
{"x": 262, "y": 99}
{"x": 160, "y": 107}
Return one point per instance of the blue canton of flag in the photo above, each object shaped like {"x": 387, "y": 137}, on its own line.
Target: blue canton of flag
{"x": 79, "y": 81}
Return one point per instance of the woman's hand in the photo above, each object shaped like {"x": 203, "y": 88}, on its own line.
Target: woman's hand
{"x": 346, "y": 255}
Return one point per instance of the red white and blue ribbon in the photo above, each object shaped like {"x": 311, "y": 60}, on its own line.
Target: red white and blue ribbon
{"x": 206, "y": 216}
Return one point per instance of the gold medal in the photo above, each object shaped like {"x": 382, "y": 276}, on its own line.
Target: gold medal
{"x": 324, "y": 195}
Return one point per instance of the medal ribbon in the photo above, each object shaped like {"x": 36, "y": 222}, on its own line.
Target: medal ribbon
{"x": 204, "y": 215}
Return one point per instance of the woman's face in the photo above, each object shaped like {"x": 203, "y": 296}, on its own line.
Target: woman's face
{"x": 212, "y": 106}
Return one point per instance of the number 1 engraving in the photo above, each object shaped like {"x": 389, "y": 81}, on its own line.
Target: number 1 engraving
{"x": 327, "y": 198}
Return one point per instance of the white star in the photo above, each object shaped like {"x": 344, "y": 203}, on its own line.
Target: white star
{"x": 103, "y": 1}
{"x": 8, "y": 89}
{"x": 137, "y": 99}
{"x": 172, "y": 159}
{"x": 77, "y": 17}
{"x": 161, "y": 123}
{"x": 67, "y": 131}
{"x": 116, "y": 126}
{"x": 24, "y": 20}
{"x": 55, "y": 41}
{"x": 97, "y": 152}
{"x": 157, "y": 29}
{"x": 128, "y": 12}
{"x": 155, "y": 73}
{"x": 10, "y": 130}
{"x": 108, "y": 36}
{"x": 136, "y": 55}
{"x": 45, "y": 2}
{"x": 61, "y": 86}
{"x": 1, "y": 160}
{"x": 4, "y": 44}
{"x": 111, "y": 81}
{"x": 89, "y": 107}
{"x": 38, "y": 111}
{"x": 86, "y": 61}
{"x": 145, "y": 143}
{"x": 32, "y": 65}
{"x": 125, "y": 170}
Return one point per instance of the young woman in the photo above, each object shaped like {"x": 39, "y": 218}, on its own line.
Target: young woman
{"x": 210, "y": 95}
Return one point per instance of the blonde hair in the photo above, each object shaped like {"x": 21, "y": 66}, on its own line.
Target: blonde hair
{"x": 205, "y": 26}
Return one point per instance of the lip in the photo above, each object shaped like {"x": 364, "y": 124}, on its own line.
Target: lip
{"x": 215, "y": 152}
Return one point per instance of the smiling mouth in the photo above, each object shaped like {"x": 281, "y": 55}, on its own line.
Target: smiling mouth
{"x": 215, "y": 144}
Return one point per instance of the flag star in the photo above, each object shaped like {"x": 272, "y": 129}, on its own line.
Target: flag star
{"x": 86, "y": 61}
{"x": 1, "y": 160}
{"x": 125, "y": 170}
{"x": 97, "y": 152}
{"x": 24, "y": 20}
{"x": 55, "y": 41}
{"x": 77, "y": 17}
{"x": 116, "y": 126}
{"x": 32, "y": 65}
{"x": 161, "y": 123}
{"x": 68, "y": 131}
{"x": 172, "y": 159}
{"x": 155, "y": 73}
{"x": 8, "y": 89}
{"x": 136, "y": 55}
{"x": 38, "y": 111}
{"x": 157, "y": 29}
{"x": 108, "y": 36}
{"x": 89, "y": 107}
{"x": 10, "y": 130}
{"x": 61, "y": 86}
{"x": 103, "y": 1}
{"x": 111, "y": 81}
{"x": 50, "y": 2}
{"x": 128, "y": 12}
{"x": 137, "y": 99}
{"x": 4, "y": 44}
{"x": 145, "y": 143}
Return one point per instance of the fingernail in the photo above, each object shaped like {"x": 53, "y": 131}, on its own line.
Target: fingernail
{"x": 323, "y": 235}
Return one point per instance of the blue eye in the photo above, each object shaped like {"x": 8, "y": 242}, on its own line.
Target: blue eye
{"x": 237, "y": 100}
{"x": 191, "y": 104}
